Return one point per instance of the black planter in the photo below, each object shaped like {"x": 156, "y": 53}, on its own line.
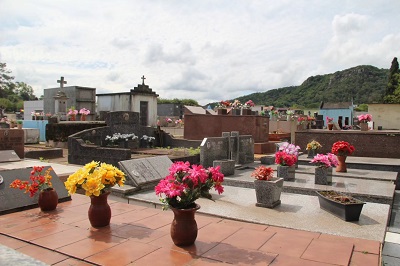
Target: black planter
{"x": 345, "y": 211}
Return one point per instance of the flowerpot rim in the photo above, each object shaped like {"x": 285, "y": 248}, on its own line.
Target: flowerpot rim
{"x": 197, "y": 206}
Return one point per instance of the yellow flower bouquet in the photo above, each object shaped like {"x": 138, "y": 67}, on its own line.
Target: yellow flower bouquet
{"x": 95, "y": 178}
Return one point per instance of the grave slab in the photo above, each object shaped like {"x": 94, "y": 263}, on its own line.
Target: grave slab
{"x": 145, "y": 171}
{"x": 13, "y": 200}
{"x": 9, "y": 156}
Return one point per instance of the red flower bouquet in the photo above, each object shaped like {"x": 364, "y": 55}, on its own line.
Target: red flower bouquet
{"x": 39, "y": 181}
{"x": 342, "y": 148}
{"x": 263, "y": 173}
{"x": 186, "y": 183}
{"x": 285, "y": 159}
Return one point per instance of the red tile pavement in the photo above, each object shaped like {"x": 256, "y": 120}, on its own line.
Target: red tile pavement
{"x": 140, "y": 236}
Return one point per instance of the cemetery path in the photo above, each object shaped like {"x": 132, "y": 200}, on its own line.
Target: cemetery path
{"x": 139, "y": 235}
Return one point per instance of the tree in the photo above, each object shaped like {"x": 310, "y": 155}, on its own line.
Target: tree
{"x": 25, "y": 91}
{"x": 393, "y": 82}
{"x": 6, "y": 81}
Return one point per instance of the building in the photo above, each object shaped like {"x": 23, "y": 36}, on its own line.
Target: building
{"x": 342, "y": 113}
{"x": 141, "y": 99}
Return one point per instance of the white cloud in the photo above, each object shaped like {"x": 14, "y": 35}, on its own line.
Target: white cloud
{"x": 205, "y": 50}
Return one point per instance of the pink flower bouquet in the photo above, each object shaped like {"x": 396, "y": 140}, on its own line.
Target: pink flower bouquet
{"x": 364, "y": 118}
{"x": 321, "y": 160}
{"x": 186, "y": 183}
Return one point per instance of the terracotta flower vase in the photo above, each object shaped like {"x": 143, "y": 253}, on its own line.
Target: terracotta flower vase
{"x": 48, "y": 200}
{"x": 72, "y": 118}
{"x": 99, "y": 212}
{"x": 341, "y": 167}
{"x": 330, "y": 126}
{"x": 184, "y": 226}
{"x": 83, "y": 117}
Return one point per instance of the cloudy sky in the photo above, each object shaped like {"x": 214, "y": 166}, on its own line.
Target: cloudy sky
{"x": 207, "y": 50}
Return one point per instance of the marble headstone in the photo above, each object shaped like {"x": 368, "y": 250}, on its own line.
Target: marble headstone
{"x": 145, "y": 172}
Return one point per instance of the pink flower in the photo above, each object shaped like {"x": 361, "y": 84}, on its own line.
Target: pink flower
{"x": 364, "y": 118}
{"x": 186, "y": 183}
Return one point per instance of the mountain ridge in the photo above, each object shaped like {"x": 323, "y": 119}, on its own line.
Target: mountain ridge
{"x": 362, "y": 84}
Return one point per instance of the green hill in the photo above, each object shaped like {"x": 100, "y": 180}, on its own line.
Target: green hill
{"x": 365, "y": 84}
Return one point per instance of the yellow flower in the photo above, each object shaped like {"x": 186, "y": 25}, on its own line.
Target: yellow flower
{"x": 93, "y": 186}
{"x": 95, "y": 178}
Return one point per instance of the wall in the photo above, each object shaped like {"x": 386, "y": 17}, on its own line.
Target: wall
{"x": 38, "y": 124}
{"x": 30, "y": 106}
{"x": 197, "y": 127}
{"x": 113, "y": 102}
{"x": 373, "y": 143}
{"x": 385, "y": 115}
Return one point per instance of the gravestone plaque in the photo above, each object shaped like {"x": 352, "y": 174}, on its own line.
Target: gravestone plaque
{"x": 12, "y": 139}
{"x": 9, "y": 156}
{"x": 13, "y": 200}
{"x": 145, "y": 171}
{"x": 211, "y": 149}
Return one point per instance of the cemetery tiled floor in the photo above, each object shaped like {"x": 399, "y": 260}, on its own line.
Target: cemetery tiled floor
{"x": 139, "y": 235}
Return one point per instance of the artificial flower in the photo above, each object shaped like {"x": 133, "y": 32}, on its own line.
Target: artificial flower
{"x": 39, "y": 181}
{"x": 285, "y": 159}
{"x": 186, "y": 183}
{"x": 263, "y": 173}
{"x": 289, "y": 148}
{"x": 326, "y": 161}
{"x": 342, "y": 148}
{"x": 95, "y": 178}
{"x": 364, "y": 118}
{"x": 313, "y": 145}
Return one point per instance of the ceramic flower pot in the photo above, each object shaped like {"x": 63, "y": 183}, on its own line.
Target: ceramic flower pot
{"x": 99, "y": 212}
{"x": 323, "y": 176}
{"x": 48, "y": 199}
{"x": 330, "y": 126}
{"x": 184, "y": 227}
{"x": 286, "y": 172}
{"x": 341, "y": 167}
{"x": 268, "y": 193}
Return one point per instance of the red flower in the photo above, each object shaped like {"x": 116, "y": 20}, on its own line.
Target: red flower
{"x": 38, "y": 181}
{"x": 285, "y": 159}
{"x": 342, "y": 148}
{"x": 263, "y": 173}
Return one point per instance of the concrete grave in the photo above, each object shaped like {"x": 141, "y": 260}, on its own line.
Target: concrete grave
{"x": 145, "y": 172}
{"x": 12, "y": 139}
{"x": 231, "y": 146}
{"x": 9, "y": 156}
{"x": 13, "y": 200}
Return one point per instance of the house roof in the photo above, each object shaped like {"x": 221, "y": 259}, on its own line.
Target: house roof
{"x": 342, "y": 105}
{"x": 195, "y": 109}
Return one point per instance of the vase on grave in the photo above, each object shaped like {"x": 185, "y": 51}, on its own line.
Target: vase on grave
{"x": 235, "y": 111}
{"x": 246, "y": 112}
{"x": 341, "y": 167}
{"x": 48, "y": 199}
{"x": 330, "y": 126}
{"x": 323, "y": 176}
{"x": 83, "y": 117}
{"x": 286, "y": 172}
{"x": 268, "y": 192}
{"x": 311, "y": 153}
{"x": 222, "y": 111}
{"x": 99, "y": 212}
{"x": 184, "y": 226}
{"x": 364, "y": 126}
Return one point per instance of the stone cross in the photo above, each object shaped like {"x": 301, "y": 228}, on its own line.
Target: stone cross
{"x": 143, "y": 78}
{"x": 62, "y": 82}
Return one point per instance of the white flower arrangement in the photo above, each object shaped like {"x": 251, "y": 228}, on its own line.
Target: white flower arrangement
{"x": 147, "y": 138}
{"x": 118, "y": 137}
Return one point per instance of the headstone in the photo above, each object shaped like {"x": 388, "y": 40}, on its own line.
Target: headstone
{"x": 4, "y": 125}
{"x": 12, "y": 139}
{"x": 211, "y": 149}
{"x": 9, "y": 156}
{"x": 227, "y": 167}
{"x": 13, "y": 200}
{"x": 145, "y": 172}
